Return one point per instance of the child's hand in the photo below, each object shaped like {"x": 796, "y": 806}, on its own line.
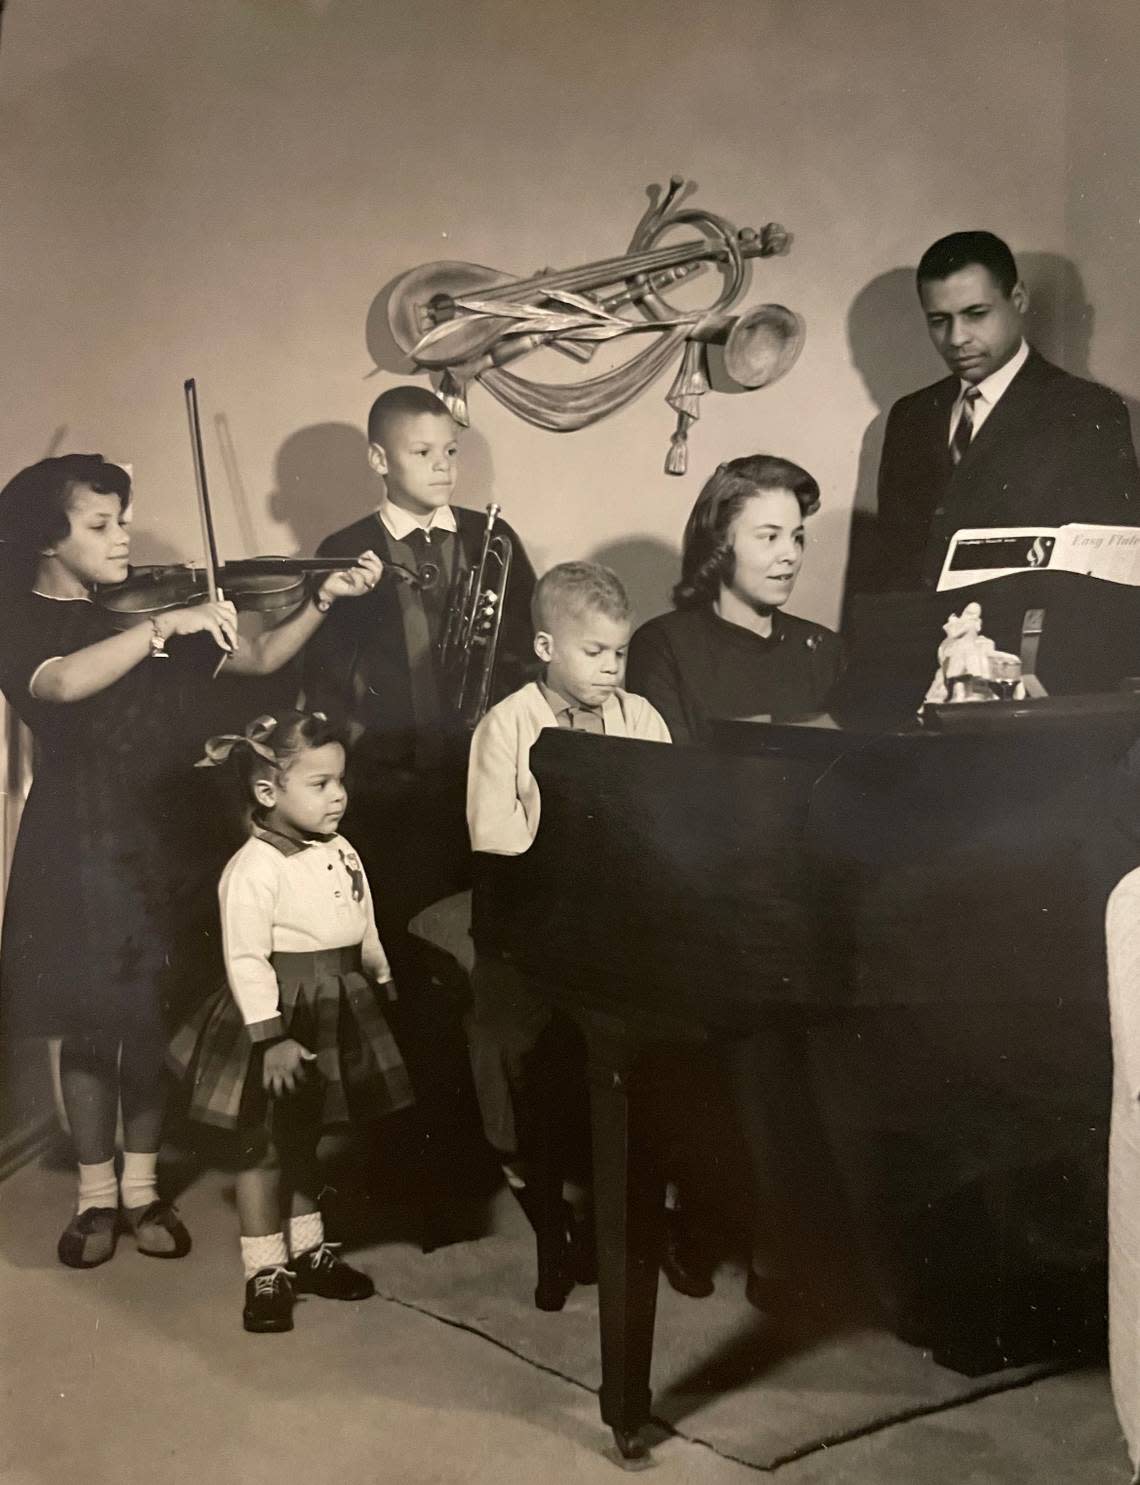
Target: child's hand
{"x": 284, "y": 1067}
{"x": 218, "y": 619}
{"x": 352, "y": 582}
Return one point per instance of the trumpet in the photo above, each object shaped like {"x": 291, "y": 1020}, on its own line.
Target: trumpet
{"x": 469, "y": 644}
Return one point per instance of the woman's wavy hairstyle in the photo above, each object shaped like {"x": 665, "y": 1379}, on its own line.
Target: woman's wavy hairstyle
{"x": 34, "y": 509}
{"x": 707, "y": 558}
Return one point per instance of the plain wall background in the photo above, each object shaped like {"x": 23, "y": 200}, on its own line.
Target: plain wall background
{"x": 223, "y": 190}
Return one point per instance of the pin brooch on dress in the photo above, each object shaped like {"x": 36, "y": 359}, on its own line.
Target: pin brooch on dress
{"x": 351, "y": 864}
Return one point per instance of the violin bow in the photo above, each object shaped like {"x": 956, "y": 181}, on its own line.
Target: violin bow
{"x": 209, "y": 543}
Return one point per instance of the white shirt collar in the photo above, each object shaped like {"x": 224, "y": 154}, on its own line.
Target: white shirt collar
{"x": 997, "y": 383}
{"x": 401, "y": 523}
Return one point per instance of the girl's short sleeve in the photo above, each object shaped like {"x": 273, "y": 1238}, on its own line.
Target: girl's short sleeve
{"x": 29, "y": 635}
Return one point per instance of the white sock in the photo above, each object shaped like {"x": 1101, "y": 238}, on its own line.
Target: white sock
{"x": 97, "y": 1186}
{"x": 137, "y": 1186}
{"x": 306, "y": 1232}
{"x": 263, "y": 1252}
{"x": 513, "y": 1171}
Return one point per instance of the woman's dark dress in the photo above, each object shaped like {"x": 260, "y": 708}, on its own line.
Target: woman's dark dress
{"x": 108, "y": 841}
{"x": 694, "y": 666}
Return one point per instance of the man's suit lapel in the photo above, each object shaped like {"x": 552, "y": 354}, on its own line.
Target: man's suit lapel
{"x": 937, "y": 431}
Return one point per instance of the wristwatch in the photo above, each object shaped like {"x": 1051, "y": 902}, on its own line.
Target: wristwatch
{"x": 322, "y": 605}
{"x": 158, "y": 650}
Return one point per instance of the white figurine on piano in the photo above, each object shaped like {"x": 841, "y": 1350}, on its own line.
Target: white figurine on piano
{"x": 970, "y": 666}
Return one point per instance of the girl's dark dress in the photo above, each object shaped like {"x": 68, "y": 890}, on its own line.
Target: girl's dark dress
{"x": 108, "y": 843}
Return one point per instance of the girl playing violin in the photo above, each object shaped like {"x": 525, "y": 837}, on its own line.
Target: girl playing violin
{"x": 88, "y": 923}
{"x": 297, "y": 1039}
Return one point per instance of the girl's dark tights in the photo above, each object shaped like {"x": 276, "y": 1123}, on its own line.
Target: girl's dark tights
{"x": 97, "y": 1072}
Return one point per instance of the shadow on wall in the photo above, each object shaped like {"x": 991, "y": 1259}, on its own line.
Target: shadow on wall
{"x": 647, "y": 567}
{"x": 1061, "y": 322}
{"x": 323, "y": 482}
{"x": 384, "y": 351}
{"x": 890, "y": 350}
{"x": 892, "y": 354}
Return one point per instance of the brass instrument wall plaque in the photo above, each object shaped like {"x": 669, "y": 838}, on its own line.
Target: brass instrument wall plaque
{"x": 466, "y": 323}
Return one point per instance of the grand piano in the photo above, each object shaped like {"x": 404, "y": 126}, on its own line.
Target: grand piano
{"x": 924, "y": 904}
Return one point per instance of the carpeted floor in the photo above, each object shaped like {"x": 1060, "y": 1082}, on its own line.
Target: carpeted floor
{"x": 719, "y": 1376}
{"x": 141, "y": 1368}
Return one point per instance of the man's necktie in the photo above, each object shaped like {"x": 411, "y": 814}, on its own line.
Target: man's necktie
{"x": 964, "y": 432}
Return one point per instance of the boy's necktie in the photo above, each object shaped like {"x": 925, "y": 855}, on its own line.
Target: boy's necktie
{"x": 585, "y": 719}
{"x": 434, "y": 594}
{"x": 964, "y": 432}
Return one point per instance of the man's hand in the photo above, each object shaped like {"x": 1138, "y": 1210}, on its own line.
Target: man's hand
{"x": 284, "y": 1067}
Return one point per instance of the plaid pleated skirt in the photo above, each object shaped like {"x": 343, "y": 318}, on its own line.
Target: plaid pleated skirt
{"x": 332, "y": 1009}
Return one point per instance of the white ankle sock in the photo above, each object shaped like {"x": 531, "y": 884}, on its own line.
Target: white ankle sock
{"x": 263, "y": 1252}
{"x": 516, "y": 1176}
{"x": 97, "y": 1186}
{"x": 305, "y": 1233}
{"x": 137, "y": 1187}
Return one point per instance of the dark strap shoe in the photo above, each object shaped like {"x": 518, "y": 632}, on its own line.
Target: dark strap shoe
{"x": 320, "y": 1271}
{"x": 770, "y": 1295}
{"x": 268, "y": 1301}
{"x": 683, "y": 1262}
{"x": 89, "y": 1238}
{"x": 158, "y": 1231}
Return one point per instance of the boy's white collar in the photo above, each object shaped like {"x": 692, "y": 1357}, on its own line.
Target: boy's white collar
{"x": 401, "y": 523}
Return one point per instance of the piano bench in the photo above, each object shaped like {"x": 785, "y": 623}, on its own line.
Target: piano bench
{"x": 445, "y": 927}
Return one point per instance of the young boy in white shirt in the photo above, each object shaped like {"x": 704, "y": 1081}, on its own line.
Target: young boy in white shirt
{"x": 582, "y": 626}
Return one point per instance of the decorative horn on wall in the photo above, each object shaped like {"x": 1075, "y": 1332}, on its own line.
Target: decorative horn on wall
{"x": 468, "y": 323}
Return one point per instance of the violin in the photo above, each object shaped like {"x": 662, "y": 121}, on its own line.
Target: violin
{"x": 274, "y": 586}
{"x": 266, "y": 585}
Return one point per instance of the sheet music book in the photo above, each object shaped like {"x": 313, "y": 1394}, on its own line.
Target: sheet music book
{"x": 1108, "y": 552}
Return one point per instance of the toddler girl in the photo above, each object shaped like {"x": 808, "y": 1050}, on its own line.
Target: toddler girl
{"x": 297, "y": 1040}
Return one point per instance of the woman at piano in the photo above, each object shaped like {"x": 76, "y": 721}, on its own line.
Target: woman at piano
{"x": 728, "y": 649}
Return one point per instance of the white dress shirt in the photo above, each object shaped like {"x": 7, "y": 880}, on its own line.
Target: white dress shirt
{"x": 991, "y": 390}
{"x": 401, "y": 523}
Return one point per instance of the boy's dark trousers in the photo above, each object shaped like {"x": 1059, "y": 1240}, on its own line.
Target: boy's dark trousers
{"x": 529, "y": 1068}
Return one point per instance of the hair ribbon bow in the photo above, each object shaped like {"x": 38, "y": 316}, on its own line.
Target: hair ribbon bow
{"x": 218, "y": 749}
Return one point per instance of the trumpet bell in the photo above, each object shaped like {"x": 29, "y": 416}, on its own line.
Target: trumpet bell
{"x": 762, "y": 345}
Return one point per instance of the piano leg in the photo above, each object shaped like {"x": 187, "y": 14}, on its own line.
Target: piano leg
{"x": 629, "y": 1203}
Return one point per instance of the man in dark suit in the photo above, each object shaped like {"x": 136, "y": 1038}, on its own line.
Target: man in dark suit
{"x": 1007, "y": 439}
